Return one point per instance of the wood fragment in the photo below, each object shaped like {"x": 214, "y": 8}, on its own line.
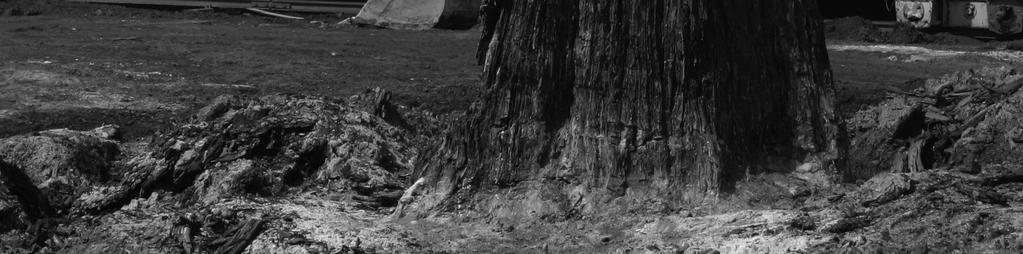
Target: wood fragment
{"x": 914, "y": 161}
{"x": 962, "y": 94}
{"x": 938, "y": 117}
{"x": 975, "y": 119}
{"x": 199, "y": 10}
{"x": 179, "y": 22}
{"x": 240, "y": 237}
{"x": 273, "y": 14}
{"x": 133, "y": 38}
{"x": 1003, "y": 88}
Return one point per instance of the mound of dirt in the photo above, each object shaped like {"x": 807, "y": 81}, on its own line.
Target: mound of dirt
{"x": 851, "y": 28}
{"x": 862, "y": 30}
{"x": 196, "y": 179}
{"x": 942, "y": 212}
{"x": 271, "y": 145}
{"x": 962, "y": 121}
{"x": 293, "y": 174}
{"x": 63, "y": 163}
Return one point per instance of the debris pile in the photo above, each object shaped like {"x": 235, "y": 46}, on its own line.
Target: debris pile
{"x": 944, "y": 167}
{"x": 270, "y": 147}
{"x": 288, "y": 174}
{"x": 961, "y": 121}
{"x": 939, "y": 170}
{"x": 934, "y": 211}
{"x": 63, "y": 163}
{"x": 215, "y": 182}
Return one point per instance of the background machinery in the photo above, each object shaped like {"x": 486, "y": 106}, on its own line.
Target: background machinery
{"x": 1002, "y": 17}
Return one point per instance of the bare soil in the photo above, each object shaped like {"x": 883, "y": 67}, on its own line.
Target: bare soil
{"x": 82, "y": 66}
{"x": 152, "y": 66}
{"x": 142, "y": 68}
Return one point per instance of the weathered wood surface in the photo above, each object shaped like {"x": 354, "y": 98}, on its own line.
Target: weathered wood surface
{"x": 686, "y": 96}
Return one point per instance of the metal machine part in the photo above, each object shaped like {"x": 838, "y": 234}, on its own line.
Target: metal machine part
{"x": 1001, "y": 17}
{"x": 967, "y": 14}
{"x": 919, "y": 14}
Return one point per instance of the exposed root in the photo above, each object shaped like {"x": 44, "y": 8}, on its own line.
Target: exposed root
{"x": 959, "y": 121}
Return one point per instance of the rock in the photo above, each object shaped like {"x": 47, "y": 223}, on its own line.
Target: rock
{"x": 63, "y": 163}
{"x": 884, "y": 188}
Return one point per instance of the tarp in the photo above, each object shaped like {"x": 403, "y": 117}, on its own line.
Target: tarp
{"x": 419, "y": 14}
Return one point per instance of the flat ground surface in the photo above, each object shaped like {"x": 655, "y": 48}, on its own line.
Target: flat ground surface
{"x": 85, "y": 65}
{"x": 88, "y": 65}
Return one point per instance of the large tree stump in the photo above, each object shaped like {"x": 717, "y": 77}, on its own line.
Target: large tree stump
{"x": 679, "y": 97}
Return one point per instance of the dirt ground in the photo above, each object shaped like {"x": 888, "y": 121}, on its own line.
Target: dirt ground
{"x": 86, "y": 65}
{"x": 82, "y": 66}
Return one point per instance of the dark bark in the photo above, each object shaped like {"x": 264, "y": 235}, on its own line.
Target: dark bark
{"x": 684, "y": 96}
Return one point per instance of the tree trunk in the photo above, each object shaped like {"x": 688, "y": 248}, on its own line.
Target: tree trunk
{"x": 678, "y": 96}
